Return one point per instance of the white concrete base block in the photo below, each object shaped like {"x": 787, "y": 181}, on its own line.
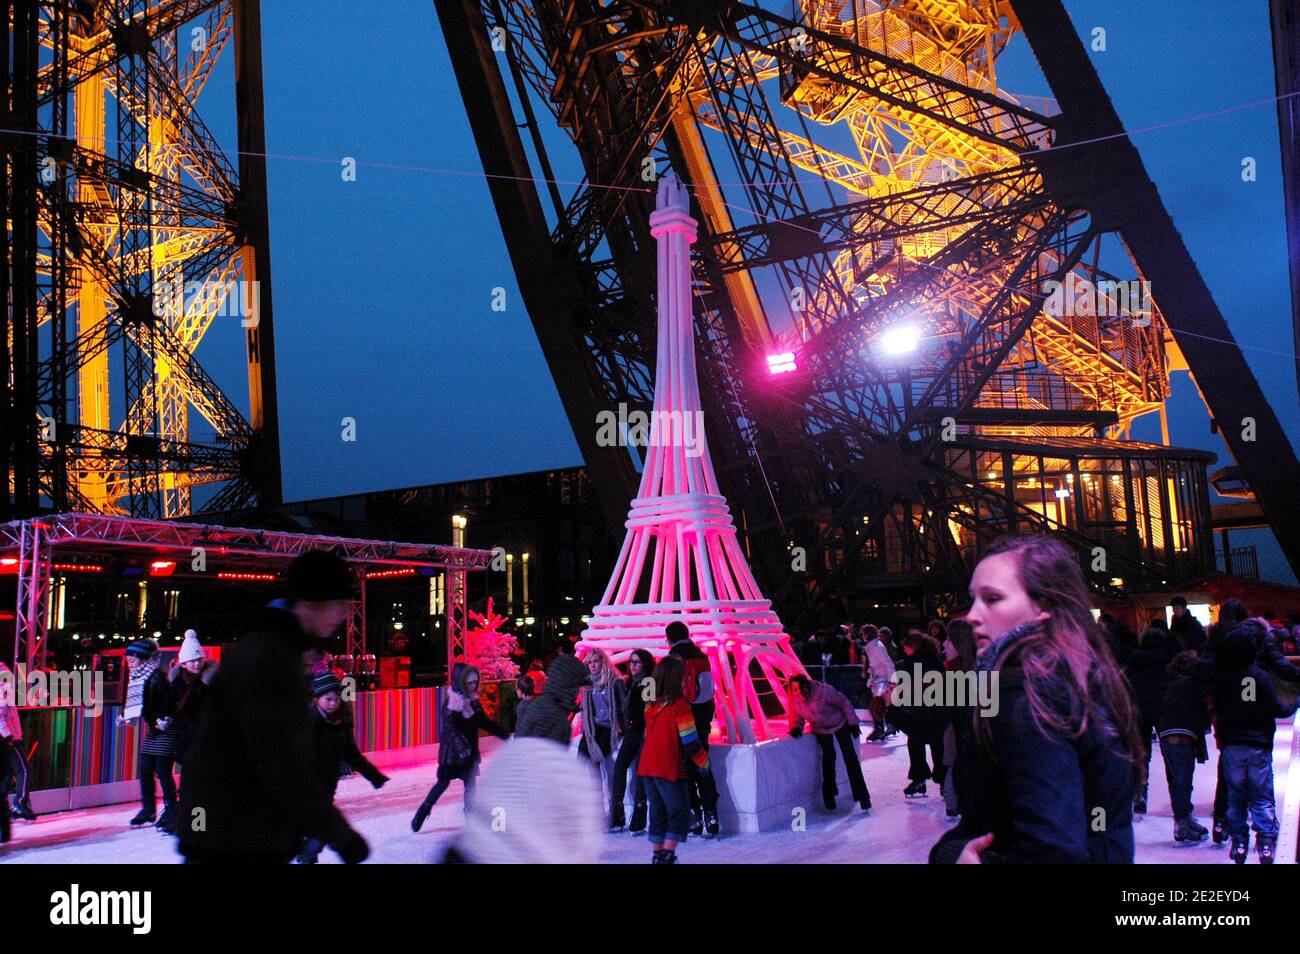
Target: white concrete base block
{"x": 762, "y": 787}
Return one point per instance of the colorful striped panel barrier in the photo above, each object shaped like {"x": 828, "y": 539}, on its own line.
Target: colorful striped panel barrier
{"x": 396, "y": 718}
{"x": 70, "y": 749}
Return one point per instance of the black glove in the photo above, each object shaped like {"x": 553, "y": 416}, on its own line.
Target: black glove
{"x": 379, "y": 780}
{"x": 352, "y": 848}
{"x": 796, "y": 731}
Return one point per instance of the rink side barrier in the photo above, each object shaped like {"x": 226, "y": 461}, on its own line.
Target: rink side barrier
{"x": 1288, "y": 842}
{"x": 78, "y": 760}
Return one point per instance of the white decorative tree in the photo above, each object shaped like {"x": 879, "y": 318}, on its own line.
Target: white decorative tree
{"x": 488, "y": 648}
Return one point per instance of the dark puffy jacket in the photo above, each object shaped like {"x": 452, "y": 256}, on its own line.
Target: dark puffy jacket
{"x": 1187, "y": 629}
{"x": 1040, "y": 792}
{"x": 1148, "y": 671}
{"x": 250, "y": 769}
{"x": 334, "y": 750}
{"x": 1186, "y": 710}
{"x": 458, "y": 736}
{"x": 190, "y": 692}
{"x": 1120, "y": 638}
{"x": 636, "y": 705}
{"x": 914, "y": 719}
{"x": 1246, "y": 706}
{"x": 549, "y": 715}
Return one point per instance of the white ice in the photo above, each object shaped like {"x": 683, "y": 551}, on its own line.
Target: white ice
{"x": 895, "y": 831}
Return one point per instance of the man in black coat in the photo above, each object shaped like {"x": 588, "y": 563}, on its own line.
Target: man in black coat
{"x": 1147, "y": 671}
{"x": 250, "y": 792}
{"x": 1186, "y": 628}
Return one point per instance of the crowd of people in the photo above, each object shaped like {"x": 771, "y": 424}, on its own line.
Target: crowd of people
{"x": 1056, "y": 771}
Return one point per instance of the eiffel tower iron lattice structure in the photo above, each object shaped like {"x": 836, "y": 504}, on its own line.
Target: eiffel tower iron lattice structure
{"x": 130, "y": 235}
{"x": 973, "y": 296}
{"x": 681, "y": 559}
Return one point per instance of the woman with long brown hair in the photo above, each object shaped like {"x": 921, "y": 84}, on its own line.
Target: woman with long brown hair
{"x": 1052, "y": 769}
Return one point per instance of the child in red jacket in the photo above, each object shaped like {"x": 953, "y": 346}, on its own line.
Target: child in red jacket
{"x": 670, "y": 739}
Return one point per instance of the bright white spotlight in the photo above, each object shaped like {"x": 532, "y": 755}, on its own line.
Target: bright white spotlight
{"x": 902, "y": 339}
{"x": 782, "y": 363}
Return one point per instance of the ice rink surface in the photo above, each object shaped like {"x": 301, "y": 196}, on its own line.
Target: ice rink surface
{"x": 896, "y": 831}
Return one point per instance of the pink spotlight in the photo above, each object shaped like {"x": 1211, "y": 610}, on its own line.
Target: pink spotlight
{"x": 781, "y": 363}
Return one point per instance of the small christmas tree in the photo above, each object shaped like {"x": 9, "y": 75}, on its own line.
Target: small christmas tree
{"x": 489, "y": 649}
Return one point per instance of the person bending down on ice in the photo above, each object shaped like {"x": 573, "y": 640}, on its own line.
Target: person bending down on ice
{"x": 831, "y": 716}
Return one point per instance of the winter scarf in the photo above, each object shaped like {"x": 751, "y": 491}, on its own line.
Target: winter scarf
{"x": 617, "y": 690}
{"x": 458, "y": 703}
{"x": 135, "y": 687}
{"x": 996, "y": 651}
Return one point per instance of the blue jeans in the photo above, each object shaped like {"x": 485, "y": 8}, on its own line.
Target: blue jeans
{"x": 1180, "y": 765}
{"x": 1248, "y": 773}
{"x": 669, "y": 809}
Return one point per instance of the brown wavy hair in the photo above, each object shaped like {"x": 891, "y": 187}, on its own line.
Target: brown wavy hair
{"x": 1070, "y": 647}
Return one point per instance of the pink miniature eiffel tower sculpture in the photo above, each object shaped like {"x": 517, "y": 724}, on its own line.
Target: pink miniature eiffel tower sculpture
{"x": 679, "y": 527}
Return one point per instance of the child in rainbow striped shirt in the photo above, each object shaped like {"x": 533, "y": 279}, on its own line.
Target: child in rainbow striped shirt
{"x": 670, "y": 739}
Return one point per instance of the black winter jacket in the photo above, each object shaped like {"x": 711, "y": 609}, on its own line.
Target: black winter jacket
{"x": 1148, "y": 672}
{"x": 249, "y": 776}
{"x": 1038, "y": 792}
{"x": 1246, "y": 706}
{"x": 189, "y": 694}
{"x": 1187, "y": 629}
{"x": 334, "y": 750}
{"x": 636, "y": 705}
{"x": 550, "y": 714}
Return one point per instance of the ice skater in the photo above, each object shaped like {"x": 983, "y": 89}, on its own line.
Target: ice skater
{"x": 1062, "y": 751}
{"x": 458, "y": 755}
{"x": 1246, "y": 710}
{"x": 671, "y": 743}
{"x": 333, "y": 748}
{"x": 149, "y": 699}
{"x": 833, "y": 720}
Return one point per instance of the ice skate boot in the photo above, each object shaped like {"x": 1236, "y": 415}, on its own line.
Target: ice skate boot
{"x": 638, "y": 819}
{"x": 145, "y": 816}
{"x": 1220, "y": 831}
{"x": 617, "y": 821}
{"x": 1266, "y": 848}
{"x": 915, "y": 790}
{"x": 1238, "y": 852}
{"x": 711, "y": 825}
{"x": 23, "y": 809}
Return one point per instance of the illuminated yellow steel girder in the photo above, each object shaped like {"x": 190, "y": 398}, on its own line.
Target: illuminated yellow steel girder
{"x": 900, "y": 150}
{"x": 177, "y": 145}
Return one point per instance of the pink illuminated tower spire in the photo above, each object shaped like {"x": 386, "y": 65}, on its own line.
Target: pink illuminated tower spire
{"x": 680, "y": 559}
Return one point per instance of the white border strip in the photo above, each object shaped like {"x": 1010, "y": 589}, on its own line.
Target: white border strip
{"x": 1290, "y": 831}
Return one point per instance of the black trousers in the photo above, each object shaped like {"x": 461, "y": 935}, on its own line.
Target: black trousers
{"x": 627, "y": 754}
{"x": 160, "y": 766}
{"x": 1146, "y": 724}
{"x": 445, "y": 777}
{"x": 918, "y": 769}
{"x": 18, "y": 770}
{"x": 701, "y": 787}
{"x": 857, "y": 784}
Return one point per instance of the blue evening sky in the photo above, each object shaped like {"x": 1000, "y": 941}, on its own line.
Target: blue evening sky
{"x": 383, "y": 286}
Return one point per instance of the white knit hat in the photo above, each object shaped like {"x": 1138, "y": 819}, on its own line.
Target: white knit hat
{"x": 535, "y": 804}
{"x": 191, "y": 648}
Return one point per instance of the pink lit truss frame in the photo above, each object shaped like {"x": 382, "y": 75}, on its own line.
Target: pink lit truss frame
{"x": 679, "y": 526}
